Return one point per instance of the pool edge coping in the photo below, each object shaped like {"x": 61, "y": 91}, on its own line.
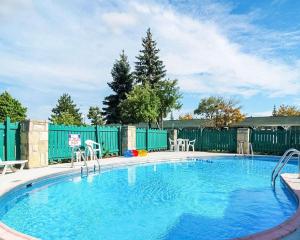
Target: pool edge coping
{"x": 278, "y": 232}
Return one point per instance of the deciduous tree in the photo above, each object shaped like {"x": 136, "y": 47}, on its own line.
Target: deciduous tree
{"x": 221, "y": 111}
{"x": 287, "y": 110}
{"x": 95, "y": 115}
{"x": 141, "y": 105}
{"x": 11, "y": 107}
{"x": 169, "y": 96}
{"x": 187, "y": 116}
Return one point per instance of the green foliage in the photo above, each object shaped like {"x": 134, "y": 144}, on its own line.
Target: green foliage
{"x": 64, "y": 118}
{"x": 66, "y": 112}
{"x": 121, "y": 85}
{"x": 95, "y": 115}
{"x": 153, "y": 99}
{"x": 222, "y": 111}
{"x": 11, "y": 107}
{"x": 169, "y": 96}
{"x": 148, "y": 67}
{"x": 141, "y": 105}
{"x": 208, "y": 107}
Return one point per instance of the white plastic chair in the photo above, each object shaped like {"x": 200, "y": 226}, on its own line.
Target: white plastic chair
{"x": 191, "y": 144}
{"x": 93, "y": 147}
{"x": 172, "y": 144}
{"x": 180, "y": 144}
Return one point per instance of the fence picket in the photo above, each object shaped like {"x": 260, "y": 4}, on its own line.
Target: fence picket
{"x": 211, "y": 139}
{"x": 9, "y": 140}
{"x": 275, "y": 141}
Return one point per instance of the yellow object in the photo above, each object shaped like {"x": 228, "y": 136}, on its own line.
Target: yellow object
{"x": 142, "y": 153}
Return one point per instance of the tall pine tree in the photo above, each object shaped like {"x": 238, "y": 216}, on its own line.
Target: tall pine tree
{"x": 148, "y": 67}
{"x": 66, "y": 112}
{"x": 121, "y": 84}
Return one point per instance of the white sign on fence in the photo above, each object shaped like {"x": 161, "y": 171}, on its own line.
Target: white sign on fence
{"x": 74, "y": 140}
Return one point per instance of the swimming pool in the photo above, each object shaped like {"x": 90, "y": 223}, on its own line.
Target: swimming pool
{"x": 207, "y": 198}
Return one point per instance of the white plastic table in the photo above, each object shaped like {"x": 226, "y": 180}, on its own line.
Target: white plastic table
{"x": 186, "y": 143}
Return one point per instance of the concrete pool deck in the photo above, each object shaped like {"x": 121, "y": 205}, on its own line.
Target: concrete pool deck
{"x": 287, "y": 230}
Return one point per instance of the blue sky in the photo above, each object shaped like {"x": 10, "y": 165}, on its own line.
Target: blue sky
{"x": 245, "y": 49}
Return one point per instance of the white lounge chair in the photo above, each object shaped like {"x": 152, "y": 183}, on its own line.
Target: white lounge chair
{"x": 11, "y": 164}
{"x": 93, "y": 147}
{"x": 191, "y": 144}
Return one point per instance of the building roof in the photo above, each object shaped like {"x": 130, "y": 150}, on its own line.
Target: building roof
{"x": 269, "y": 122}
{"x": 193, "y": 123}
{"x": 248, "y": 122}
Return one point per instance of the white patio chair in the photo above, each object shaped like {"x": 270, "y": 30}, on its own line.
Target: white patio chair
{"x": 11, "y": 164}
{"x": 93, "y": 147}
{"x": 172, "y": 144}
{"x": 191, "y": 144}
{"x": 180, "y": 144}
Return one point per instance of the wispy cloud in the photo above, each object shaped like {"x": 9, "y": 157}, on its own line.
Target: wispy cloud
{"x": 51, "y": 47}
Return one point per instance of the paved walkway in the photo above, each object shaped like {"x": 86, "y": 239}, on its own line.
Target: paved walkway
{"x": 10, "y": 181}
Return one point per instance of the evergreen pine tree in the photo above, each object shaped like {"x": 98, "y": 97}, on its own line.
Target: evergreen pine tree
{"x": 274, "y": 112}
{"x": 66, "y": 112}
{"x": 121, "y": 84}
{"x": 148, "y": 67}
{"x": 95, "y": 115}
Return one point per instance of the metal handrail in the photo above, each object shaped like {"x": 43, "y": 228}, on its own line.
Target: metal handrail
{"x": 251, "y": 149}
{"x": 241, "y": 148}
{"x": 283, "y": 161}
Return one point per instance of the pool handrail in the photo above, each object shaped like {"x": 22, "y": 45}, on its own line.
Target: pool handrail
{"x": 283, "y": 161}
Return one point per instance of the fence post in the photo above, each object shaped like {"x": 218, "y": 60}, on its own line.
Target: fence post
{"x": 243, "y": 137}
{"x": 128, "y": 138}
{"x": 7, "y": 142}
{"x": 34, "y": 143}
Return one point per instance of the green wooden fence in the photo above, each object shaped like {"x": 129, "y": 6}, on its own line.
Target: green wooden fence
{"x": 9, "y": 140}
{"x": 109, "y": 137}
{"x": 210, "y": 139}
{"x": 151, "y": 139}
{"x": 275, "y": 141}
{"x": 141, "y": 138}
{"x": 157, "y": 139}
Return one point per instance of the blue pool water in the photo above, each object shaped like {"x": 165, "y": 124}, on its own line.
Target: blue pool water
{"x": 222, "y": 198}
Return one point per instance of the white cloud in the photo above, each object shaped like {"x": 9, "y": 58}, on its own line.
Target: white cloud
{"x": 118, "y": 22}
{"x": 54, "y": 47}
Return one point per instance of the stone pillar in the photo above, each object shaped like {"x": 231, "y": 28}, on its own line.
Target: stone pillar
{"x": 128, "y": 136}
{"x": 243, "y": 136}
{"x": 34, "y": 143}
